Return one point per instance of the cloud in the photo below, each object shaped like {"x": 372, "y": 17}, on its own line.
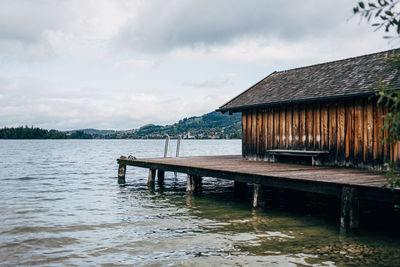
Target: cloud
{"x": 134, "y": 64}
{"x": 40, "y": 30}
{"x": 30, "y": 101}
{"x": 167, "y": 25}
{"x": 207, "y": 83}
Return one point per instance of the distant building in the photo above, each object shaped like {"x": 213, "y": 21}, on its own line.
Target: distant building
{"x": 325, "y": 111}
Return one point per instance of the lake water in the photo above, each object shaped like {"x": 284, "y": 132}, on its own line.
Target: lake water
{"x": 60, "y": 205}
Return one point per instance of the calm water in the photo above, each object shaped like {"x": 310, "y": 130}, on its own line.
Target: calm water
{"x": 60, "y": 205}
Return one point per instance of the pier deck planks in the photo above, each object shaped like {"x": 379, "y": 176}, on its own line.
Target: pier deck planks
{"x": 325, "y": 180}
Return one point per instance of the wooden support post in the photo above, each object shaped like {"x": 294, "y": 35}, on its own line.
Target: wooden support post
{"x": 151, "y": 178}
{"x": 121, "y": 173}
{"x": 349, "y": 210}
{"x": 190, "y": 183}
{"x": 258, "y": 200}
{"x": 160, "y": 177}
{"x": 193, "y": 183}
{"x": 241, "y": 189}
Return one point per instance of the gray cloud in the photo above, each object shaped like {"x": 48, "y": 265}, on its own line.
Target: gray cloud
{"x": 206, "y": 83}
{"x": 27, "y": 21}
{"x": 163, "y": 25}
{"x": 24, "y": 26}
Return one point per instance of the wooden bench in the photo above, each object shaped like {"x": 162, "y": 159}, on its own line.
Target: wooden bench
{"x": 314, "y": 154}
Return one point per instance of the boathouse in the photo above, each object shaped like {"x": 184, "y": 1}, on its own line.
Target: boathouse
{"x": 325, "y": 114}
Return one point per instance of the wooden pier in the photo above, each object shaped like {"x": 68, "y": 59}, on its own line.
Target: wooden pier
{"x": 349, "y": 185}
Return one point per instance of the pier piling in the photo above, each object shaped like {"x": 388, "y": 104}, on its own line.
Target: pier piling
{"x": 258, "y": 200}
{"x": 160, "y": 177}
{"x": 349, "y": 210}
{"x": 121, "y": 173}
{"x": 193, "y": 183}
{"x": 151, "y": 177}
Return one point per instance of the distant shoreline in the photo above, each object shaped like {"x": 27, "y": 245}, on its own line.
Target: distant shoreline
{"x": 213, "y": 125}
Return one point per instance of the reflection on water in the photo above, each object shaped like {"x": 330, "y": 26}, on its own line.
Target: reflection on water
{"x": 60, "y": 205}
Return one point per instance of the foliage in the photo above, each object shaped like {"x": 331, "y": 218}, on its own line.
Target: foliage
{"x": 385, "y": 14}
{"x": 30, "y": 133}
{"x": 80, "y": 135}
{"x": 210, "y": 125}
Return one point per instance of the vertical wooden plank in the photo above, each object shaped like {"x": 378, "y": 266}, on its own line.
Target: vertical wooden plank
{"x": 254, "y": 133}
{"x": 302, "y": 127}
{"x": 264, "y": 131}
{"x": 365, "y": 131}
{"x": 310, "y": 127}
{"x": 324, "y": 128}
{"x": 317, "y": 126}
{"x": 270, "y": 134}
{"x": 332, "y": 132}
{"x": 276, "y": 127}
{"x": 358, "y": 134}
{"x": 341, "y": 134}
{"x": 249, "y": 136}
{"x": 381, "y": 111}
{"x": 244, "y": 133}
{"x": 386, "y": 147}
{"x": 258, "y": 132}
{"x": 377, "y": 135}
{"x": 370, "y": 133}
{"x": 295, "y": 127}
{"x": 396, "y": 152}
{"x": 282, "y": 128}
{"x": 289, "y": 137}
{"x": 349, "y": 142}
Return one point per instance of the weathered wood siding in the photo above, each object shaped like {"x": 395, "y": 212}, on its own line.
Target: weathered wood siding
{"x": 350, "y": 130}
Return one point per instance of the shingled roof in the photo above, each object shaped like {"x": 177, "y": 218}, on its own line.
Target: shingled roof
{"x": 352, "y": 77}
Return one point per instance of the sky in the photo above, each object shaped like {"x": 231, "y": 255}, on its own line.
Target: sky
{"x": 123, "y": 64}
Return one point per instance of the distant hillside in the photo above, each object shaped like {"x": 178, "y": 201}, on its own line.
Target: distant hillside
{"x": 94, "y": 131}
{"x": 213, "y": 125}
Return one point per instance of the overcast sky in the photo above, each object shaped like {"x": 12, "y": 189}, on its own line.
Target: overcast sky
{"x": 122, "y": 64}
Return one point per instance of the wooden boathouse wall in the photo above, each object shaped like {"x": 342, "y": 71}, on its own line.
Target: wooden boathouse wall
{"x": 350, "y": 130}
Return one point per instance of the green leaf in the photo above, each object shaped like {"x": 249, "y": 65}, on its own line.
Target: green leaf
{"x": 389, "y": 13}
{"x": 361, "y": 4}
